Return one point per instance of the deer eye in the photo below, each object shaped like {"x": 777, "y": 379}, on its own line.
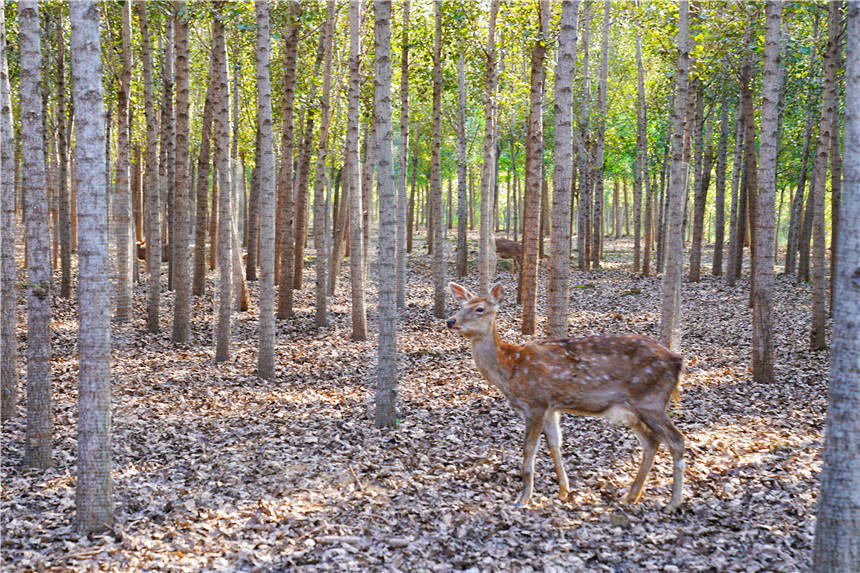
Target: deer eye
{"x": 479, "y": 310}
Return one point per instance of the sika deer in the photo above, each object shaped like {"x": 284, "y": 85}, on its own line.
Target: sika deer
{"x": 625, "y": 378}
{"x": 508, "y": 249}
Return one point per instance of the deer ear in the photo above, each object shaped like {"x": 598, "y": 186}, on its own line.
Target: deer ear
{"x": 496, "y": 293}
{"x": 460, "y": 293}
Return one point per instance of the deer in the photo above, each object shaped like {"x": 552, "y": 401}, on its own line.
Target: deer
{"x": 625, "y": 378}
{"x": 508, "y": 249}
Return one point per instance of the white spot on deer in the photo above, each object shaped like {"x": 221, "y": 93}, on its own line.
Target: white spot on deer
{"x": 618, "y": 415}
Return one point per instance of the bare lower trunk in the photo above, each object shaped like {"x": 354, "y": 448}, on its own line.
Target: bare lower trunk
{"x": 221, "y": 135}
{"x": 439, "y": 310}
{"x": 179, "y": 240}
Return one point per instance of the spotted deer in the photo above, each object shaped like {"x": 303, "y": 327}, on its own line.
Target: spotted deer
{"x": 624, "y": 378}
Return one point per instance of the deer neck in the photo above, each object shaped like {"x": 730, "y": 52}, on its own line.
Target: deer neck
{"x": 488, "y": 351}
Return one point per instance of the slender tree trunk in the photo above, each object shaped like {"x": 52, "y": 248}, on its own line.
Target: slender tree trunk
{"x": 179, "y": 240}
{"x": 400, "y": 281}
{"x": 436, "y": 168}
{"x": 8, "y": 268}
{"x": 641, "y": 170}
{"x": 835, "y": 197}
{"x": 221, "y": 136}
{"x": 699, "y": 191}
{"x": 64, "y": 222}
{"x": 558, "y": 281}
{"x": 829, "y": 102}
{"x": 266, "y": 179}
{"x": 734, "y": 251}
{"x": 38, "y": 448}
{"x": 203, "y": 187}
{"x": 462, "y": 190}
{"x": 367, "y": 189}
{"x": 254, "y": 210}
{"x": 534, "y": 161}
{"x": 320, "y": 232}
{"x": 597, "y": 233}
{"x": 286, "y": 188}
{"x": 94, "y": 487}
{"x": 413, "y": 185}
{"x": 837, "y": 529}
{"x": 120, "y": 200}
{"x": 302, "y": 181}
{"x": 386, "y": 389}
{"x": 339, "y": 232}
{"x": 797, "y": 205}
{"x": 352, "y": 184}
{"x": 674, "y": 250}
{"x": 486, "y": 266}
{"x": 720, "y": 197}
{"x": 153, "y": 195}
{"x": 763, "y": 233}
{"x": 583, "y": 239}
{"x": 167, "y": 164}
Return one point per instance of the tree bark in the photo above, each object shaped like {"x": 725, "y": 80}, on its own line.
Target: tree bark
{"x": 837, "y": 528}
{"x": 640, "y": 182}
{"x": 167, "y": 163}
{"x": 266, "y": 178}
{"x": 64, "y": 222}
{"x": 286, "y": 188}
{"x": 221, "y": 135}
{"x": 352, "y": 185}
{"x": 119, "y": 207}
{"x": 558, "y": 281}
{"x": 179, "y": 240}
{"x": 674, "y": 250}
{"x": 534, "y": 161}
{"x": 486, "y": 266}
{"x": 400, "y": 281}
{"x": 436, "y": 170}
{"x": 202, "y": 190}
{"x": 94, "y": 487}
{"x": 386, "y": 389}
{"x": 700, "y": 192}
{"x": 583, "y": 239}
{"x": 462, "y": 190}
{"x": 734, "y": 250}
{"x": 153, "y": 194}
{"x": 8, "y": 268}
{"x": 828, "y": 108}
{"x": 320, "y": 231}
{"x": 720, "y": 197}
{"x": 763, "y": 231}
{"x": 38, "y": 448}
{"x": 597, "y": 229}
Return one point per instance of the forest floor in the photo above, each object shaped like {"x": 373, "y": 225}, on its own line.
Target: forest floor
{"x": 217, "y": 470}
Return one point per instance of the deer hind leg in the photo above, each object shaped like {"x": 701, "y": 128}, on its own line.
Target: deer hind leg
{"x": 552, "y": 431}
{"x": 649, "y": 443}
{"x": 533, "y": 430}
{"x": 674, "y": 440}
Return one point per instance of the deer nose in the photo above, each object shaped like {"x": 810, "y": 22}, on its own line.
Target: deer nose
{"x": 451, "y": 322}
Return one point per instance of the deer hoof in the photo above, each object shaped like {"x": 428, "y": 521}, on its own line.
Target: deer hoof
{"x": 562, "y": 494}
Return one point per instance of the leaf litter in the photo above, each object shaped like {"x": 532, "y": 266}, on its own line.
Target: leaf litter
{"x": 217, "y": 470}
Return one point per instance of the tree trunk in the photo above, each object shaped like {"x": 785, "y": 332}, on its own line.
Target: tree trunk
{"x": 38, "y": 448}
{"x": 674, "y": 249}
{"x": 221, "y": 136}
{"x": 558, "y": 281}
{"x": 266, "y": 179}
{"x": 835, "y": 195}
{"x": 202, "y": 190}
{"x": 720, "y": 197}
{"x": 462, "y": 190}
{"x": 386, "y": 389}
{"x": 734, "y": 251}
{"x": 94, "y": 488}
{"x": 486, "y": 266}
{"x": 534, "y": 161}
{"x": 700, "y": 192}
{"x": 167, "y": 164}
{"x": 340, "y": 230}
{"x": 400, "y": 281}
{"x": 302, "y": 181}
{"x": 352, "y": 185}
{"x": 179, "y": 240}
{"x": 829, "y": 102}
{"x": 837, "y": 529}
{"x": 64, "y": 222}
{"x": 413, "y": 186}
{"x": 436, "y": 170}
{"x": 763, "y": 231}
{"x": 286, "y": 189}
{"x": 8, "y": 268}
{"x": 367, "y": 189}
{"x": 153, "y": 195}
{"x": 119, "y": 208}
{"x": 640, "y": 174}
{"x": 797, "y": 205}
{"x": 597, "y": 230}
{"x": 583, "y": 239}
{"x": 320, "y": 231}
{"x": 254, "y": 210}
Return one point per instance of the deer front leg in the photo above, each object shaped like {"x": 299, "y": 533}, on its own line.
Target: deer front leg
{"x": 552, "y": 431}
{"x": 534, "y": 424}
